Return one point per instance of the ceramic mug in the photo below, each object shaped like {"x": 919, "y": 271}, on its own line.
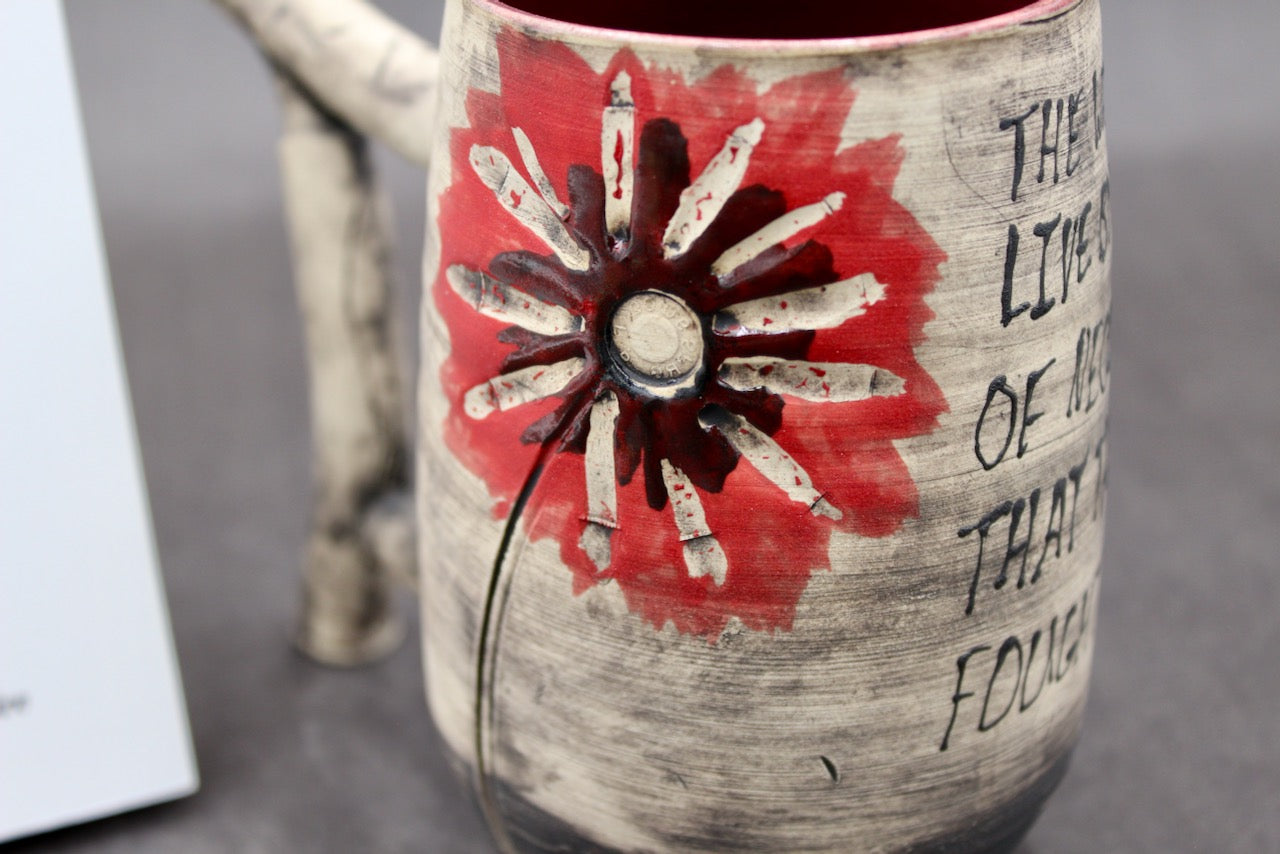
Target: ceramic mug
{"x": 762, "y": 420}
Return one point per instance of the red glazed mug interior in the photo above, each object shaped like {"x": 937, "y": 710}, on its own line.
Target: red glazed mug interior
{"x": 807, "y": 20}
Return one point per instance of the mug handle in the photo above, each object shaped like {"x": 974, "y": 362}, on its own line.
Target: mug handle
{"x": 345, "y": 73}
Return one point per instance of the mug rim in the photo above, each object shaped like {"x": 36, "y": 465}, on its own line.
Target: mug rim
{"x": 1039, "y": 10}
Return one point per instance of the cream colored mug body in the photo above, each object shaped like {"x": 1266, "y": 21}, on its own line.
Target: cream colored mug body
{"x": 762, "y": 422}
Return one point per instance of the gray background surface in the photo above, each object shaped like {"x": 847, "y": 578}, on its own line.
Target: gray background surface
{"x": 1181, "y": 750}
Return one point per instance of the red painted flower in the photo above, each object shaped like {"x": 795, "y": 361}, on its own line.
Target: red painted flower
{"x": 694, "y": 369}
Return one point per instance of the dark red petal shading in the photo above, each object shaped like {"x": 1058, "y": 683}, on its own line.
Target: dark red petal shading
{"x": 662, "y": 173}
{"x": 533, "y": 349}
{"x": 744, "y": 213}
{"x": 538, "y": 275}
{"x": 782, "y": 271}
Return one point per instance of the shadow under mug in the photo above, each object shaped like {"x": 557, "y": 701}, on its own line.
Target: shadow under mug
{"x": 762, "y": 430}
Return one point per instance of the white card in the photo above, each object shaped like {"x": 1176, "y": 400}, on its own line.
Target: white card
{"x": 92, "y": 720}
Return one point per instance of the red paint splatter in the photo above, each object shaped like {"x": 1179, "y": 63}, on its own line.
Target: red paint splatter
{"x": 698, "y": 205}
{"x": 618, "y": 151}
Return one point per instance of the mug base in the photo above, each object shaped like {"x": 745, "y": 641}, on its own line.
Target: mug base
{"x": 531, "y": 830}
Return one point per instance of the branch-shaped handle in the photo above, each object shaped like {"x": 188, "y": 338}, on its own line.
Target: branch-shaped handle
{"x": 370, "y": 71}
{"x": 362, "y": 515}
{"x": 347, "y": 72}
